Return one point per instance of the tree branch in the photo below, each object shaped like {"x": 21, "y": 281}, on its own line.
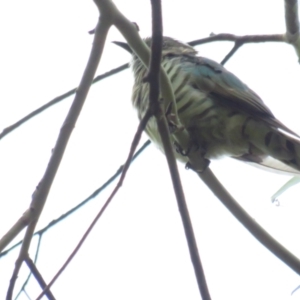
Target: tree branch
{"x": 38, "y": 277}
{"x": 292, "y": 24}
{"x": 22, "y": 289}
{"x": 291, "y": 19}
{"x": 254, "y": 228}
{"x": 159, "y": 113}
{"x": 243, "y": 39}
{"x": 40, "y": 195}
{"x": 56, "y": 100}
{"x": 134, "y": 144}
{"x": 89, "y": 198}
{"x": 234, "y": 49}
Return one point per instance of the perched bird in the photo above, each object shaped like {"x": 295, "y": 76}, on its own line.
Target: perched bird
{"x": 221, "y": 113}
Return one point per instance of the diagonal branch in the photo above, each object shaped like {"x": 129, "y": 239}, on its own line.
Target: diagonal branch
{"x": 35, "y": 261}
{"x": 89, "y": 198}
{"x": 58, "y": 99}
{"x": 134, "y": 144}
{"x": 253, "y": 227}
{"x": 234, "y": 49}
{"x": 34, "y": 270}
{"x": 40, "y": 195}
{"x": 156, "y": 107}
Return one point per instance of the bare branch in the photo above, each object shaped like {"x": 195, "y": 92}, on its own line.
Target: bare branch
{"x": 243, "y": 39}
{"x": 34, "y": 270}
{"x": 40, "y": 195}
{"x": 15, "y": 230}
{"x": 291, "y": 19}
{"x": 254, "y": 228}
{"x": 292, "y": 24}
{"x": 134, "y": 144}
{"x": 56, "y": 100}
{"x": 239, "y": 41}
{"x": 234, "y": 49}
{"x": 153, "y": 79}
{"x": 35, "y": 260}
{"x": 75, "y": 208}
{"x": 296, "y": 289}
{"x": 27, "y": 295}
{"x": 291, "y": 36}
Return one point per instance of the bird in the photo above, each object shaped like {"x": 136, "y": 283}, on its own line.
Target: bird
{"x": 222, "y": 114}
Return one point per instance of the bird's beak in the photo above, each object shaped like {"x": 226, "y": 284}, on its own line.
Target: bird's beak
{"x": 125, "y": 46}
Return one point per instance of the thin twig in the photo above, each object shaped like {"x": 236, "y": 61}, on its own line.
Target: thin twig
{"x": 244, "y": 39}
{"x": 89, "y": 198}
{"x": 34, "y": 270}
{"x": 27, "y": 295}
{"x": 296, "y": 289}
{"x": 40, "y": 195}
{"x": 234, "y": 49}
{"x": 57, "y": 99}
{"x": 35, "y": 261}
{"x": 134, "y": 144}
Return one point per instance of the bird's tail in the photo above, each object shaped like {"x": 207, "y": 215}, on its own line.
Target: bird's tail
{"x": 278, "y": 144}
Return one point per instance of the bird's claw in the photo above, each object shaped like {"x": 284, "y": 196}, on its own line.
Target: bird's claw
{"x": 196, "y": 155}
{"x": 198, "y": 167}
{"x": 172, "y": 120}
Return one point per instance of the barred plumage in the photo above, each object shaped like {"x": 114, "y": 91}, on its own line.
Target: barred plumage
{"x": 221, "y": 113}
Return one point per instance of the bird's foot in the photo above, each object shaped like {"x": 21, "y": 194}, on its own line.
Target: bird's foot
{"x": 198, "y": 165}
{"x": 196, "y": 155}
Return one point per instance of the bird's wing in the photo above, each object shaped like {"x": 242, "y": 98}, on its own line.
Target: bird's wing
{"x": 213, "y": 78}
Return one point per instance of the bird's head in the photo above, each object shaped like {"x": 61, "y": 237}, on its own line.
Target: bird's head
{"x": 170, "y": 47}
